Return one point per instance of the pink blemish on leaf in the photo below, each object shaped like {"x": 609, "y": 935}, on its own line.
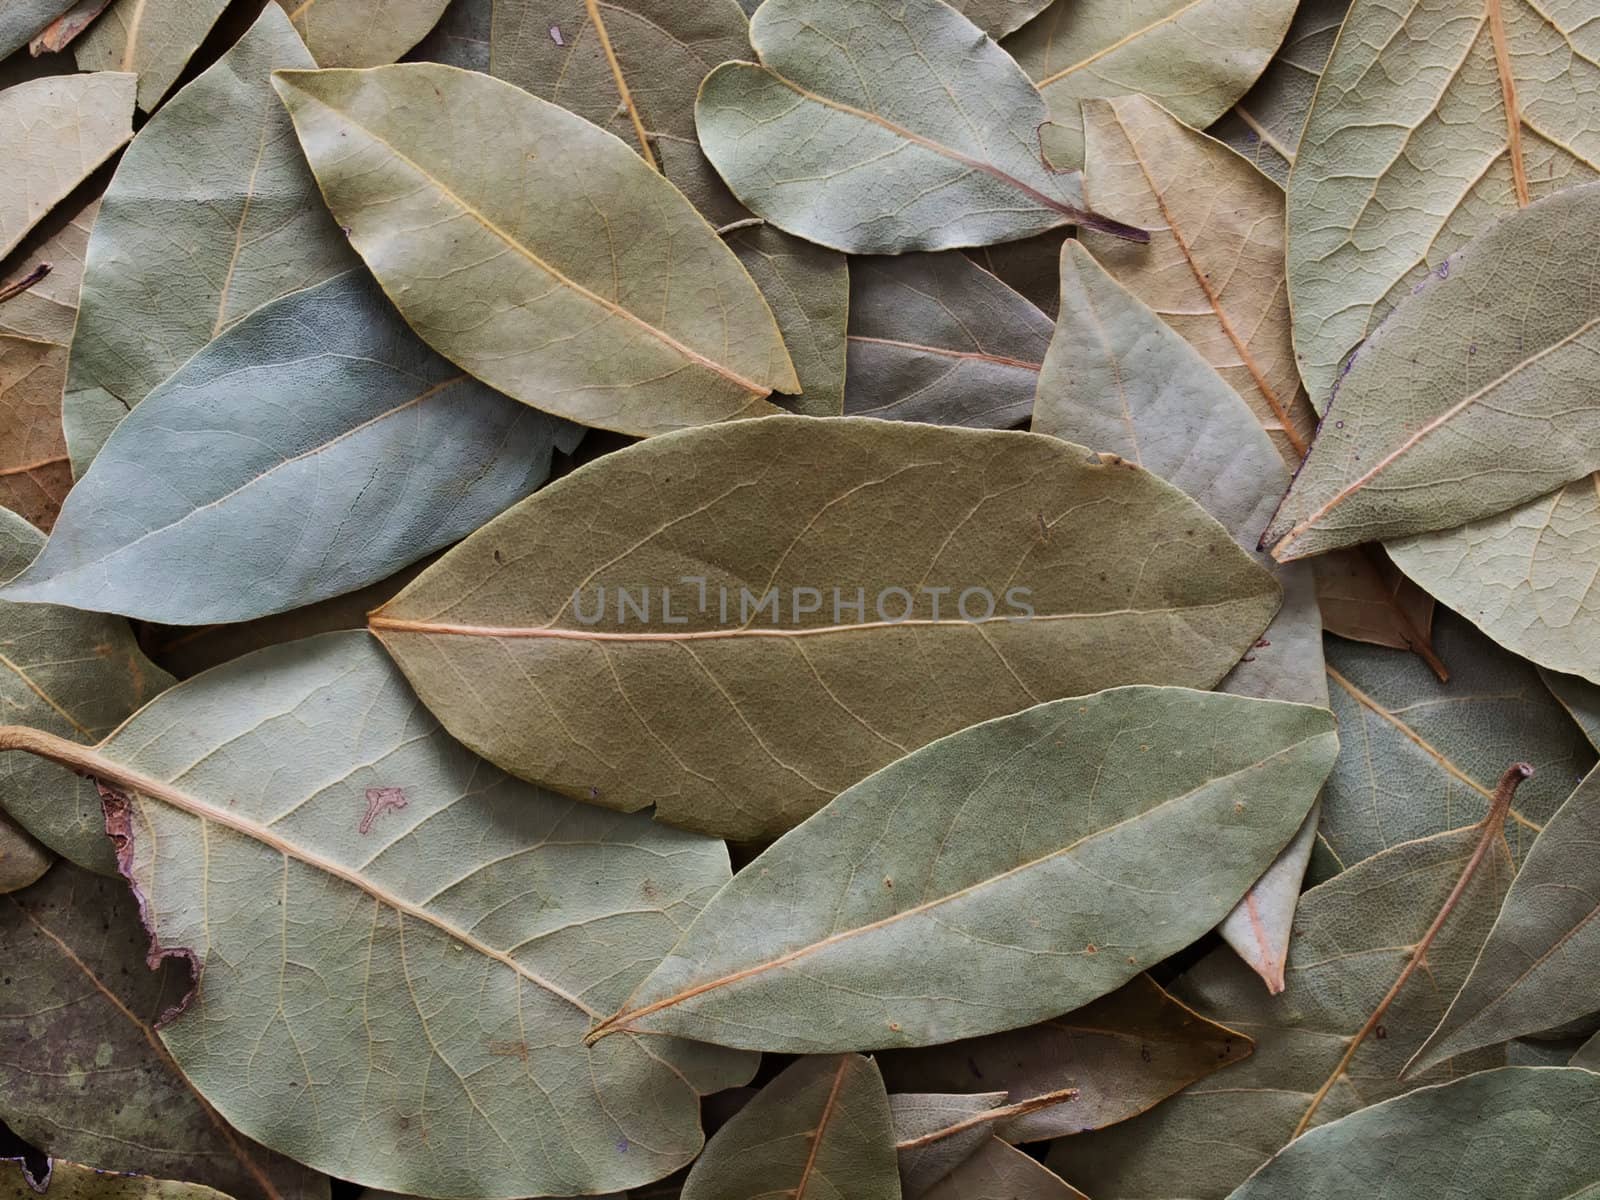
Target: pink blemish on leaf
{"x": 379, "y": 801}
{"x": 555, "y": 35}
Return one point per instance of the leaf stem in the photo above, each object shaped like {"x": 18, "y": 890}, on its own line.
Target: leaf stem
{"x": 13, "y": 290}
{"x": 645, "y": 151}
{"x": 1492, "y": 826}
{"x": 1004, "y": 1113}
{"x": 731, "y": 226}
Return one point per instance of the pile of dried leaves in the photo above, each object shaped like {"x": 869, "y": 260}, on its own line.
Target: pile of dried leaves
{"x": 884, "y": 446}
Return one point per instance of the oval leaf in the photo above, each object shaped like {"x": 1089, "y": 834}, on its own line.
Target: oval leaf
{"x": 595, "y": 293}
{"x": 391, "y": 905}
{"x": 333, "y": 444}
{"x": 935, "y": 146}
{"x": 895, "y": 917}
{"x": 570, "y": 641}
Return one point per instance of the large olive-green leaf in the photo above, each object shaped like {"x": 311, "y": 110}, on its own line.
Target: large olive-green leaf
{"x": 1001, "y": 1172}
{"x": 935, "y": 337}
{"x": 53, "y": 132}
{"x": 1123, "y": 1053}
{"x": 1195, "y": 57}
{"x": 1518, "y": 1133}
{"x": 78, "y": 1009}
{"x": 997, "y": 877}
{"x": 595, "y": 293}
{"x": 34, "y": 476}
{"x": 154, "y": 39}
{"x": 365, "y": 902}
{"x": 807, "y": 286}
{"x": 820, "y": 1129}
{"x": 1354, "y": 935}
{"x": 1537, "y": 969}
{"x": 337, "y": 449}
{"x": 1407, "y": 153}
{"x": 1451, "y": 411}
{"x": 357, "y": 33}
{"x": 22, "y": 858}
{"x": 252, "y": 230}
{"x": 21, "y": 19}
{"x": 1120, "y": 379}
{"x": 1265, "y": 125}
{"x": 1580, "y": 698}
{"x": 881, "y": 126}
{"x": 73, "y": 673}
{"x": 72, "y": 1181}
{"x": 636, "y": 76}
{"x": 461, "y": 38}
{"x": 1525, "y": 577}
{"x": 736, "y": 623}
{"x": 1418, "y": 757}
{"x": 47, "y": 309}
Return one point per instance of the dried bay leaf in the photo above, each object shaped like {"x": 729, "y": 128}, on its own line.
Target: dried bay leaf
{"x": 339, "y": 448}
{"x": 22, "y": 859}
{"x": 48, "y": 309}
{"x": 1001, "y": 1172}
{"x": 1028, "y": 267}
{"x": 353, "y": 33}
{"x": 746, "y": 722}
{"x": 1408, "y": 152}
{"x": 54, "y": 132}
{"x": 1265, "y": 125}
{"x": 461, "y": 38}
{"x": 1517, "y": 1132}
{"x": 154, "y": 39}
{"x": 72, "y": 673}
{"x": 1418, "y": 757}
{"x": 505, "y": 275}
{"x": 1195, "y": 57}
{"x": 1580, "y": 698}
{"x": 486, "y": 924}
{"x": 1123, "y": 1054}
{"x": 997, "y": 877}
{"x": 21, "y": 19}
{"x": 934, "y": 1132}
{"x": 1587, "y": 1056}
{"x": 34, "y": 475}
{"x": 1449, "y": 412}
{"x": 1354, "y": 935}
{"x": 940, "y": 151}
{"x": 169, "y": 270}
{"x": 78, "y": 1008}
{"x": 61, "y": 32}
{"x": 72, "y": 1181}
{"x": 1365, "y": 597}
{"x": 935, "y": 337}
{"x": 1536, "y": 971}
{"x": 1118, "y": 378}
{"x": 821, "y": 1128}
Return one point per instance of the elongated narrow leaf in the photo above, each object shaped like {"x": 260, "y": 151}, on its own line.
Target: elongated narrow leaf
{"x": 1123, "y": 1053}
{"x": 1536, "y": 970}
{"x": 821, "y": 1128}
{"x": 1354, "y": 936}
{"x": 1409, "y": 151}
{"x": 1516, "y": 1132}
{"x": 934, "y": 1132}
{"x": 154, "y": 39}
{"x": 1418, "y": 757}
{"x": 73, "y": 673}
{"x": 936, "y": 147}
{"x": 895, "y": 917}
{"x": 1001, "y": 1172}
{"x": 78, "y": 1008}
{"x": 336, "y": 447}
{"x": 935, "y": 337}
{"x": 34, "y": 476}
{"x": 351, "y": 33}
{"x": 72, "y": 1181}
{"x": 1525, "y": 577}
{"x": 1265, "y": 125}
{"x": 1119, "y": 378}
{"x": 599, "y": 294}
{"x": 1450, "y": 413}
{"x": 736, "y": 623}
{"x": 53, "y": 132}
{"x": 486, "y": 924}
{"x": 253, "y": 230}
{"x": 22, "y": 858}
{"x": 1580, "y": 698}
{"x": 657, "y": 50}
{"x": 1195, "y": 57}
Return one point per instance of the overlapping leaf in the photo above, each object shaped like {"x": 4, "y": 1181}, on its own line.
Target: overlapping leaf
{"x": 1580, "y": 698}
{"x": 936, "y": 146}
{"x": 461, "y": 38}
{"x": 599, "y": 294}
{"x": 673, "y": 624}
{"x": 251, "y": 229}
{"x": 1001, "y": 1172}
{"x": 21, "y": 19}
{"x": 1450, "y": 412}
{"x": 153, "y": 39}
{"x": 47, "y": 308}
{"x": 390, "y": 908}
{"x": 351, "y": 33}
{"x": 73, "y": 1181}
{"x": 336, "y": 446}
{"x": 78, "y": 1008}
{"x": 75, "y": 674}
{"x": 22, "y": 858}
{"x": 897, "y": 917}
{"x": 34, "y": 476}
{"x": 1409, "y": 151}
{"x": 935, "y": 1131}
{"x": 935, "y": 337}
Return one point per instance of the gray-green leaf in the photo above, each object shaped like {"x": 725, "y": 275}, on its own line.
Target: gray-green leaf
{"x": 152, "y": 38}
